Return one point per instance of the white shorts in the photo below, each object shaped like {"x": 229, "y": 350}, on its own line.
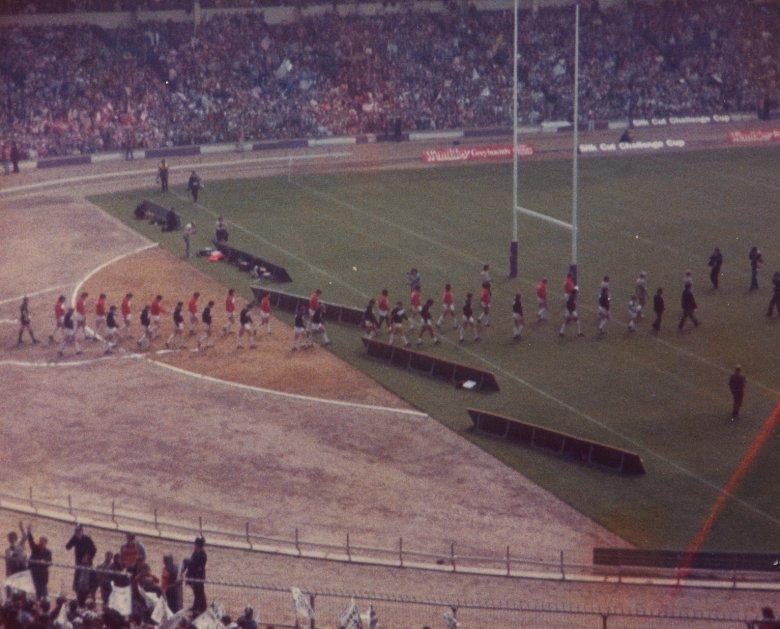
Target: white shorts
{"x": 416, "y": 309}
{"x": 468, "y": 319}
{"x": 179, "y": 326}
{"x": 603, "y": 312}
{"x": 316, "y": 327}
{"x": 448, "y": 307}
{"x": 100, "y": 319}
{"x": 485, "y": 306}
{"x": 127, "y": 318}
{"x": 427, "y": 323}
{"x": 517, "y": 317}
{"x": 112, "y": 331}
{"x": 80, "y": 318}
{"x": 541, "y": 302}
{"x": 299, "y": 331}
{"x": 194, "y": 319}
{"x": 311, "y": 313}
{"x": 571, "y": 316}
{"x": 61, "y": 320}
{"x": 264, "y": 317}
{"x": 70, "y": 334}
{"x": 247, "y": 327}
{"x": 155, "y": 319}
{"x": 382, "y": 313}
{"x": 230, "y": 316}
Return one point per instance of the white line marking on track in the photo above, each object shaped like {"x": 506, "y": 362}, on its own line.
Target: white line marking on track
{"x": 64, "y": 362}
{"x": 9, "y": 321}
{"x": 43, "y": 291}
{"x": 100, "y": 267}
{"x": 153, "y": 171}
{"x": 293, "y": 396}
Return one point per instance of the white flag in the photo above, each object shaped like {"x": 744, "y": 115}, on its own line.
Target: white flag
{"x": 208, "y": 620}
{"x": 350, "y": 619}
{"x": 120, "y": 600}
{"x": 161, "y": 611}
{"x": 150, "y": 598}
{"x": 369, "y": 618}
{"x": 21, "y": 582}
{"x": 302, "y": 605}
{"x": 173, "y": 621}
{"x": 452, "y": 622}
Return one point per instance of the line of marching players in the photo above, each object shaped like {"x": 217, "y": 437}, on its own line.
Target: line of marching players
{"x": 113, "y": 324}
{"x": 421, "y": 320}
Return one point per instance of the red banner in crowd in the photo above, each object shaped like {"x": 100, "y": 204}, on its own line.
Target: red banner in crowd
{"x": 476, "y": 153}
{"x": 755, "y": 136}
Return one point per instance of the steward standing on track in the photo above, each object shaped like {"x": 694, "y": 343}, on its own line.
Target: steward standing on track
{"x": 774, "y": 303}
{"x": 658, "y": 307}
{"x": 756, "y": 260}
{"x": 194, "y": 185}
{"x": 689, "y": 307}
{"x": 737, "y": 386}
{"x": 162, "y": 176}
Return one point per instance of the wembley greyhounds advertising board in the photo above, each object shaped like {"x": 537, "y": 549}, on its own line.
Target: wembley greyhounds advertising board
{"x": 476, "y": 153}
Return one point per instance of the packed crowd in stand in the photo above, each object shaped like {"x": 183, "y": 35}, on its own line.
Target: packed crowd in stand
{"x": 236, "y": 77}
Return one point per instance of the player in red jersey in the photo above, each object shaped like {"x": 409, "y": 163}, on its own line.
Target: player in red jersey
{"x": 415, "y": 305}
{"x": 80, "y": 316}
{"x": 126, "y": 310}
{"x": 314, "y": 304}
{"x": 265, "y": 311}
{"x": 485, "y": 300}
{"x": 156, "y": 310}
{"x": 101, "y": 310}
{"x": 383, "y": 309}
{"x": 541, "y": 300}
{"x": 59, "y": 317}
{"x": 230, "y": 311}
{"x": 568, "y": 287}
{"x": 447, "y": 308}
{"x": 192, "y": 308}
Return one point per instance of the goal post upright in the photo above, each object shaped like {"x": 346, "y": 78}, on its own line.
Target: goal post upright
{"x": 513, "y": 246}
{"x": 575, "y": 148}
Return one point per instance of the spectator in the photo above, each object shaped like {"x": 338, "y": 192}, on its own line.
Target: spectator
{"x": 40, "y": 559}
{"x": 131, "y": 553}
{"x": 85, "y": 581}
{"x": 104, "y": 576}
{"x": 15, "y": 557}
{"x": 195, "y": 570}
{"x": 82, "y": 546}
{"x": 170, "y": 584}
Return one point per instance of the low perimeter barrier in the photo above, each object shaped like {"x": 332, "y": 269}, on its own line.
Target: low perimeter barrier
{"x": 290, "y": 605}
{"x": 401, "y": 555}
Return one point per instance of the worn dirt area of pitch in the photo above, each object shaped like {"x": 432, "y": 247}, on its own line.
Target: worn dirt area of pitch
{"x": 273, "y": 364}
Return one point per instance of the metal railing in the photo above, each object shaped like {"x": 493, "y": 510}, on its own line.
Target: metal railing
{"x": 400, "y": 555}
{"x": 273, "y": 604}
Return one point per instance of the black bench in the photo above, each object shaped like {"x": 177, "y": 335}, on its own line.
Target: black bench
{"x": 558, "y": 443}
{"x": 247, "y": 261}
{"x": 431, "y": 365}
{"x": 289, "y": 303}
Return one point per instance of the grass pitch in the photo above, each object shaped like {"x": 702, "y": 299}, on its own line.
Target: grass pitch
{"x": 666, "y": 398}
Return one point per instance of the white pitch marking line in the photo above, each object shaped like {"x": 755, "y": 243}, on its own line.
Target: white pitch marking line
{"x": 43, "y": 291}
{"x": 153, "y": 171}
{"x": 9, "y": 321}
{"x": 64, "y": 362}
{"x": 545, "y": 217}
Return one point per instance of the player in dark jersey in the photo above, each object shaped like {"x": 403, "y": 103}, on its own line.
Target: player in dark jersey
{"x": 146, "y": 326}
{"x": 603, "y": 310}
{"x": 317, "y": 326}
{"x": 246, "y": 328}
{"x": 301, "y": 339}
{"x": 397, "y": 318}
{"x": 370, "y": 322}
{"x": 467, "y": 320}
{"x": 69, "y": 327}
{"x": 689, "y": 307}
{"x": 426, "y": 325}
{"x": 175, "y": 339}
{"x": 25, "y": 322}
{"x": 112, "y": 330}
{"x": 570, "y": 316}
{"x": 517, "y": 317}
{"x": 774, "y": 303}
{"x": 205, "y": 340}
{"x": 715, "y": 263}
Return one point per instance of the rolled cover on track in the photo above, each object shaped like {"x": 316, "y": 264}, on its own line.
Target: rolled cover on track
{"x": 431, "y": 365}
{"x": 558, "y": 443}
